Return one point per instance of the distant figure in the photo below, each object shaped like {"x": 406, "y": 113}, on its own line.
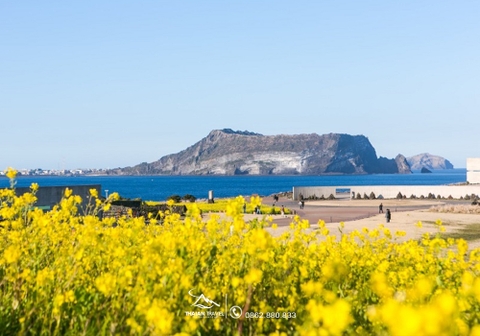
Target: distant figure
{"x": 282, "y": 211}
{"x": 388, "y": 215}
{"x": 275, "y": 198}
{"x": 380, "y": 208}
{"x": 300, "y": 204}
{"x": 244, "y": 207}
{"x": 303, "y": 204}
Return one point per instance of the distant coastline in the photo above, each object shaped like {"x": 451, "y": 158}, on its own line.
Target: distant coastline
{"x": 159, "y": 188}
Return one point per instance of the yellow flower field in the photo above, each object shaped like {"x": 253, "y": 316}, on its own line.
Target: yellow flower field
{"x": 221, "y": 205}
{"x": 66, "y": 274}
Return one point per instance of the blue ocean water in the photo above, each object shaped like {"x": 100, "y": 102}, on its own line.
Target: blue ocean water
{"x": 159, "y": 188}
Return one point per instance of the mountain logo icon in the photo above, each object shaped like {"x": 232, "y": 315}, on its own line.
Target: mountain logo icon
{"x": 202, "y": 301}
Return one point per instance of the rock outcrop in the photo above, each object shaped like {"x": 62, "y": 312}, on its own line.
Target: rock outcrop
{"x": 429, "y": 161}
{"x": 228, "y": 152}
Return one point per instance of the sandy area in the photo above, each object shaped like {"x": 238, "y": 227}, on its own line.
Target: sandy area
{"x": 404, "y": 218}
{"x": 358, "y": 214}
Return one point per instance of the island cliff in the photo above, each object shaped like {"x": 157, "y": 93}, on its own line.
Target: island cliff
{"x": 228, "y": 152}
{"x": 429, "y": 161}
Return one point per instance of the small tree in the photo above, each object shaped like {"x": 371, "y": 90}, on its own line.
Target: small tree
{"x": 399, "y": 195}
{"x": 372, "y": 195}
{"x": 189, "y": 198}
{"x": 175, "y": 198}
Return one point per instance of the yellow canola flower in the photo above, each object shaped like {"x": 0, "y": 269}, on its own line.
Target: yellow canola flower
{"x": 160, "y": 318}
{"x": 12, "y": 254}
{"x": 380, "y": 285}
{"x": 446, "y": 303}
{"x": 138, "y": 276}
{"x": 475, "y": 331}
{"x": 332, "y": 319}
{"x": 254, "y": 276}
{"x": 68, "y": 192}
{"x": 10, "y": 173}
{"x": 311, "y": 288}
{"x": 255, "y": 201}
{"x": 69, "y": 296}
{"x": 93, "y": 192}
{"x": 44, "y": 276}
{"x": 106, "y": 283}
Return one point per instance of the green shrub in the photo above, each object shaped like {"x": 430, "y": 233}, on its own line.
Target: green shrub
{"x": 175, "y": 198}
{"x": 189, "y": 198}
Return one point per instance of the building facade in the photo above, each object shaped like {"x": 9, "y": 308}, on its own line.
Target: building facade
{"x": 473, "y": 170}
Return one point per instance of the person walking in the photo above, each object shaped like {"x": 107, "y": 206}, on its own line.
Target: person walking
{"x": 380, "y": 208}
{"x": 388, "y": 216}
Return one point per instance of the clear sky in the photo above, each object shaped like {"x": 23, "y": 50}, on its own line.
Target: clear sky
{"x": 105, "y": 84}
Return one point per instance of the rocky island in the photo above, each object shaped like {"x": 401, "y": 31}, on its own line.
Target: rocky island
{"x": 228, "y": 152}
{"x": 428, "y": 161}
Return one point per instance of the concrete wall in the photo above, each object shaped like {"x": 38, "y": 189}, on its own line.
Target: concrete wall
{"x": 50, "y": 196}
{"x": 473, "y": 170}
{"x": 387, "y": 191}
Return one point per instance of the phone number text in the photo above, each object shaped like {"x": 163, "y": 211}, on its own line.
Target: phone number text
{"x": 271, "y": 315}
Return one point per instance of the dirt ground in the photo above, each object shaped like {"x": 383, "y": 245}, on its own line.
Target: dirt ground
{"x": 358, "y": 214}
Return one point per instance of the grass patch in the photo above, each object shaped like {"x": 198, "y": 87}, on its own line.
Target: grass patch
{"x": 469, "y": 232}
{"x": 444, "y": 223}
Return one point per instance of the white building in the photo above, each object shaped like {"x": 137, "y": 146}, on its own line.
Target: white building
{"x": 473, "y": 170}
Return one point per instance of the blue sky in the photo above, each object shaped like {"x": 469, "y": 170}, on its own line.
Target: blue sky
{"x": 105, "y": 84}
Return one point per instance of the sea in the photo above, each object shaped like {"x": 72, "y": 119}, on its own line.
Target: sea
{"x": 159, "y": 188}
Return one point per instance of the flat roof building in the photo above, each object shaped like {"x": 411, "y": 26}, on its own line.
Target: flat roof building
{"x": 473, "y": 170}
